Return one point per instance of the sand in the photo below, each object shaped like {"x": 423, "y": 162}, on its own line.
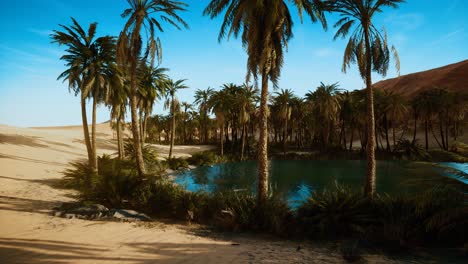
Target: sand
{"x": 31, "y": 163}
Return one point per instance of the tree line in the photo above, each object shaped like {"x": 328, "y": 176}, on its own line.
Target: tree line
{"x": 120, "y": 71}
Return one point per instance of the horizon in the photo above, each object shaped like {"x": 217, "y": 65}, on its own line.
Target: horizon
{"x": 31, "y": 63}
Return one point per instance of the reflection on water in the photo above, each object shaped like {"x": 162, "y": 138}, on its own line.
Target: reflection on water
{"x": 297, "y": 179}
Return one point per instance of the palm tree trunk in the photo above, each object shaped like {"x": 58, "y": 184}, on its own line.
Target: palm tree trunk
{"x": 119, "y": 137}
{"x": 243, "y": 141}
{"x": 262, "y": 191}
{"x": 425, "y": 133}
{"x": 369, "y": 188}
{"x": 93, "y": 136}
{"x": 415, "y": 124}
{"x": 351, "y": 139}
{"x": 435, "y": 137}
{"x": 222, "y": 139}
{"x": 136, "y": 133}
{"x": 285, "y": 135}
{"x": 86, "y": 131}
{"x": 172, "y": 128}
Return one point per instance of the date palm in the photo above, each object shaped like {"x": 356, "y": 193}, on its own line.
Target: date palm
{"x": 145, "y": 17}
{"x": 151, "y": 88}
{"x": 90, "y": 63}
{"x": 173, "y": 104}
{"x": 368, "y": 48}
{"x": 245, "y": 103}
{"x": 220, "y": 103}
{"x": 283, "y": 101}
{"x": 201, "y": 99}
{"x": 265, "y": 27}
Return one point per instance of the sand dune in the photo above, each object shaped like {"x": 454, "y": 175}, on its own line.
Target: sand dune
{"x": 31, "y": 163}
{"x": 453, "y": 77}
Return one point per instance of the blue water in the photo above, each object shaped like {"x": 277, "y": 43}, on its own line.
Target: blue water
{"x": 296, "y": 180}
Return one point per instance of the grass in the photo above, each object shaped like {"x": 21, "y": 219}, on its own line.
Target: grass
{"x": 438, "y": 216}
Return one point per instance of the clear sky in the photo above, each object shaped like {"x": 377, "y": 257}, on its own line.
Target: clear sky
{"x": 427, "y": 34}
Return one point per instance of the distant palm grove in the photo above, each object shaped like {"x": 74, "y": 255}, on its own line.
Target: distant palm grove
{"x": 244, "y": 120}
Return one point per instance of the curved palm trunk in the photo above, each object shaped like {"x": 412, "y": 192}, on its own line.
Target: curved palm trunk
{"x": 119, "y": 138}
{"x": 93, "y": 137}
{"x": 262, "y": 191}
{"x": 86, "y": 131}
{"x": 172, "y": 128}
{"x": 369, "y": 188}
{"x": 136, "y": 134}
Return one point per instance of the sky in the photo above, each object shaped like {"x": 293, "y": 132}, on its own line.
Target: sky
{"x": 426, "y": 33}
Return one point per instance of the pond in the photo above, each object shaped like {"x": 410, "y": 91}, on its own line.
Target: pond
{"x": 297, "y": 179}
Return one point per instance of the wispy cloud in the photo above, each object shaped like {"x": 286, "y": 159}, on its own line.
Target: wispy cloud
{"x": 447, "y": 37}
{"x": 40, "y": 32}
{"x": 408, "y": 21}
{"x": 325, "y": 52}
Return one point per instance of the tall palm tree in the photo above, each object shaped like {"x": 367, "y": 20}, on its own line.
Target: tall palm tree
{"x": 245, "y": 104}
{"x": 173, "y": 103}
{"x": 368, "y": 48}
{"x": 130, "y": 49}
{"x": 266, "y": 28}
{"x": 90, "y": 63}
{"x": 151, "y": 88}
{"x": 201, "y": 99}
{"x": 325, "y": 105}
{"x": 283, "y": 101}
{"x": 219, "y": 103}
{"x": 186, "y": 112}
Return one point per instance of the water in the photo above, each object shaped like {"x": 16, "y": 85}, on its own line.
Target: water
{"x": 297, "y": 179}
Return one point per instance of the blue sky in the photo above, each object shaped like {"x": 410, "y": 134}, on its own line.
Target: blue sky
{"x": 427, "y": 34}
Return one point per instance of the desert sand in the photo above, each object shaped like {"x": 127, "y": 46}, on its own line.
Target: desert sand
{"x": 31, "y": 163}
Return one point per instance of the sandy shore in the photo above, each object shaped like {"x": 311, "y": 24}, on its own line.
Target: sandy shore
{"x": 31, "y": 163}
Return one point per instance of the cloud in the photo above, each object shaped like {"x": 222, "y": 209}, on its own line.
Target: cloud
{"x": 40, "y": 32}
{"x": 408, "y": 21}
{"x": 447, "y": 37}
{"x": 325, "y": 52}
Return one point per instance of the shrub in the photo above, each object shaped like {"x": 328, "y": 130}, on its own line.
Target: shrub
{"x": 334, "y": 212}
{"x": 176, "y": 163}
{"x": 149, "y": 153}
{"x": 202, "y": 158}
{"x": 116, "y": 181}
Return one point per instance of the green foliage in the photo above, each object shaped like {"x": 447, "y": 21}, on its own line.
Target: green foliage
{"x": 334, "y": 212}
{"x": 176, "y": 163}
{"x": 412, "y": 150}
{"x": 115, "y": 183}
{"x": 446, "y": 156}
{"x": 149, "y": 153}
{"x": 439, "y": 215}
{"x": 203, "y": 158}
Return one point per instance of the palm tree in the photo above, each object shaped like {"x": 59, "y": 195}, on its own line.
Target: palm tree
{"x": 90, "y": 70}
{"x": 201, "y": 99}
{"x": 283, "y": 101}
{"x": 266, "y": 27}
{"x": 173, "y": 103}
{"x": 151, "y": 88}
{"x": 325, "y": 105}
{"x": 187, "y": 108}
{"x": 368, "y": 48}
{"x": 219, "y": 104}
{"x": 245, "y": 104}
{"x": 130, "y": 50}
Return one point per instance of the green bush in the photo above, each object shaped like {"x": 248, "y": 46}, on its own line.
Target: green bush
{"x": 335, "y": 212}
{"x": 203, "y": 158}
{"x": 439, "y": 215}
{"x": 115, "y": 183}
{"x": 176, "y": 163}
{"x": 149, "y": 153}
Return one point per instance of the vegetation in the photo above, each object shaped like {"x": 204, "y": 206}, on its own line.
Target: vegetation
{"x": 249, "y": 122}
{"x": 438, "y": 215}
